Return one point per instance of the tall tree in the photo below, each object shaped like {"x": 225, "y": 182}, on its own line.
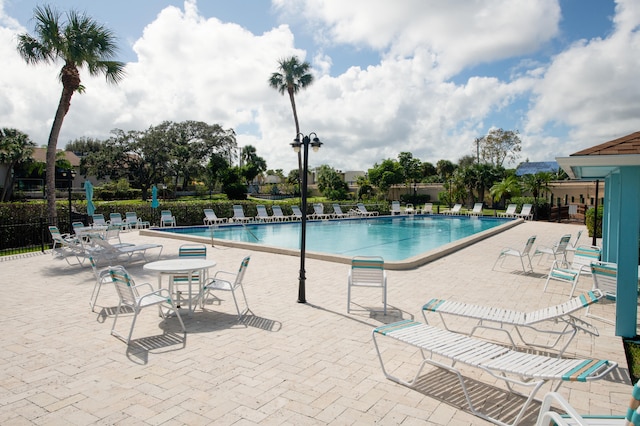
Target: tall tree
{"x": 15, "y": 148}
{"x": 77, "y": 42}
{"x": 410, "y": 168}
{"x": 292, "y": 75}
{"x": 500, "y": 145}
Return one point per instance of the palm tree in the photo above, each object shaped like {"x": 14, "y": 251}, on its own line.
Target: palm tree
{"x": 506, "y": 188}
{"x": 537, "y": 184}
{"x": 291, "y": 77}
{"x": 78, "y": 42}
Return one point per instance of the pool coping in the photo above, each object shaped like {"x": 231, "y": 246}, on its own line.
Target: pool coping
{"x": 410, "y": 263}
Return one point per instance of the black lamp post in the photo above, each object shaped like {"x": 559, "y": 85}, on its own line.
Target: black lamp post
{"x": 70, "y": 174}
{"x": 297, "y": 145}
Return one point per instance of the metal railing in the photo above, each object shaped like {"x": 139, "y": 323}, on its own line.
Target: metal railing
{"x": 25, "y": 237}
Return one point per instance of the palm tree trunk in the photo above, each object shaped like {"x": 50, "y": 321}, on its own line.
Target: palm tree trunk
{"x": 63, "y": 107}
{"x": 295, "y": 119}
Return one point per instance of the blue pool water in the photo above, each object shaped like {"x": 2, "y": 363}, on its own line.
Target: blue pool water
{"x": 393, "y": 238}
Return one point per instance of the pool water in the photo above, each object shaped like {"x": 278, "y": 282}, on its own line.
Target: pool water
{"x": 393, "y": 238}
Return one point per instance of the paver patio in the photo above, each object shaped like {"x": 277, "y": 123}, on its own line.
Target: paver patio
{"x": 289, "y": 364}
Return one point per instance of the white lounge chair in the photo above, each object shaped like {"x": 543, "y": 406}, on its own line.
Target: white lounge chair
{"x": 263, "y": 215}
{"x": 337, "y": 211}
{"x": 509, "y": 212}
{"x": 559, "y": 249}
{"x": 367, "y": 271}
{"x": 297, "y": 213}
{"x": 605, "y": 279}
{"x": 543, "y": 320}
{"x": 517, "y": 253}
{"x": 238, "y": 214}
{"x": 455, "y": 210}
{"x": 210, "y": 217}
{"x": 278, "y": 215}
{"x": 138, "y": 297}
{"x": 427, "y": 209}
{"x": 525, "y": 213}
{"x": 395, "y": 208}
{"x": 65, "y": 245}
{"x": 361, "y": 210}
{"x": 514, "y": 368}
{"x": 318, "y": 212}
{"x": 167, "y": 219}
{"x": 106, "y": 251}
{"x": 477, "y": 210}
{"x": 409, "y": 209}
{"x": 548, "y": 416}
{"x": 231, "y": 282}
{"x": 580, "y": 264}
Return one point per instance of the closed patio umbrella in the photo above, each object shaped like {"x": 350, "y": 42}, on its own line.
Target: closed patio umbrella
{"x": 154, "y": 197}
{"x": 88, "y": 190}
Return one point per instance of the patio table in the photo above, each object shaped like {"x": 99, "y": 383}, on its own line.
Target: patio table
{"x": 181, "y": 266}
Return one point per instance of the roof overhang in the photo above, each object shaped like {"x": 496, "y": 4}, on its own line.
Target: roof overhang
{"x": 589, "y": 167}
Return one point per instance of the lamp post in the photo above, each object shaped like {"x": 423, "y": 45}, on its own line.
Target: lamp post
{"x": 70, "y": 174}
{"x": 297, "y": 145}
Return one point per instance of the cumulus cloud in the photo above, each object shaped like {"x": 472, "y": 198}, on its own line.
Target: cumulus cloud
{"x": 191, "y": 67}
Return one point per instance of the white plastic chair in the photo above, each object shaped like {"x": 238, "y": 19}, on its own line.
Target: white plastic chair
{"x": 138, "y": 297}
{"x": 427, "y": 209}
{"x": 525, "y": 213}
{"x": 228, "y": 281}
{"x": 395, "y": 208}
{"x": 455, "y": 210}
{"x": 477, "y": 210}
{"x": 115, "y": 219}
{"x": 517, "y": 253}
{"x": 367, "y": 271}
{"x": 509, "y": 212}
{"x": 134, "y": 222}
{"x": 263, "y": 215}
{"x": 278, "y": 215}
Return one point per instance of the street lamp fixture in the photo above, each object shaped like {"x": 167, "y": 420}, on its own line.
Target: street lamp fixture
{"x": 304, "y": 144}
{"x": 70, "y": 175}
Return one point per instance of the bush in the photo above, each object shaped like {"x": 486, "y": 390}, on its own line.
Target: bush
{"x": 589, "y": 219}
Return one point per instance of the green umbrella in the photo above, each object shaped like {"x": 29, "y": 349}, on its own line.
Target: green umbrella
{"x": 154, "y": 197}
{"x": 88, "y": 189}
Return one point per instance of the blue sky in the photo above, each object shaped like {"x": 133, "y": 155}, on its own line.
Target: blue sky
{"x": 424, "y": 76}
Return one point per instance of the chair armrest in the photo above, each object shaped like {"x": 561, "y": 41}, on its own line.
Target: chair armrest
{"x": 136, "y": 288}
{"x": 224, "y": 273}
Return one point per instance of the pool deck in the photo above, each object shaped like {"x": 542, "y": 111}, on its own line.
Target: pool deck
{"x": 288, "y": 364}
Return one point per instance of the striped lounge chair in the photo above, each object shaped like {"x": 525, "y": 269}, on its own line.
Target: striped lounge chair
{"x": 554, "y": 320}
{"x": 446, "y": 350}
{"x": 581, "y": 264}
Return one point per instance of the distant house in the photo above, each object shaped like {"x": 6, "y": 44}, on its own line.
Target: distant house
{"x": 533, "y": 167}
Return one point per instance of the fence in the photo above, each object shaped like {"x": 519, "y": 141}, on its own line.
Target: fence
{"x": 25, "y": 237}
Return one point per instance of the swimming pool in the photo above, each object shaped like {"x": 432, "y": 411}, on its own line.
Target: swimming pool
{"x": 396, "y": 239}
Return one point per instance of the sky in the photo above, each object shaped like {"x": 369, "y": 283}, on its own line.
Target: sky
{"x": 420, "y": 76}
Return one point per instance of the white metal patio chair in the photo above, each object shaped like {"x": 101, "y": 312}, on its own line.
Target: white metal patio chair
{"x": 167, "y": 219}
{"x": 181, "y": 281}
{"x": 65, "y": 245}
{"x": 559, "y": 249}
{"x": 102, "y": 277}
{"x": 547, "y": 416}
{"x": 228, "y": 281}
{"x": 367, "y": 271}
{"x": 138, "y": 297}
{"x": 605, "y": 279}
{"x": 505, "y": 252}
{"x": 135, "y": 222}
{"x": 544, "y": 320}
{"x": 98, "y": 220}
{"x": 210, "y": 217}
{"x": 580, "y": 264}
{"x": 115, "y": 219}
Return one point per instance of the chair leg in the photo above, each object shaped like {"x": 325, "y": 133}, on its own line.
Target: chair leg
{"x": 94, "y": 295}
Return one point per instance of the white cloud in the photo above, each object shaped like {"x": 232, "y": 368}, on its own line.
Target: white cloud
{"x": 189, "y": 67}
